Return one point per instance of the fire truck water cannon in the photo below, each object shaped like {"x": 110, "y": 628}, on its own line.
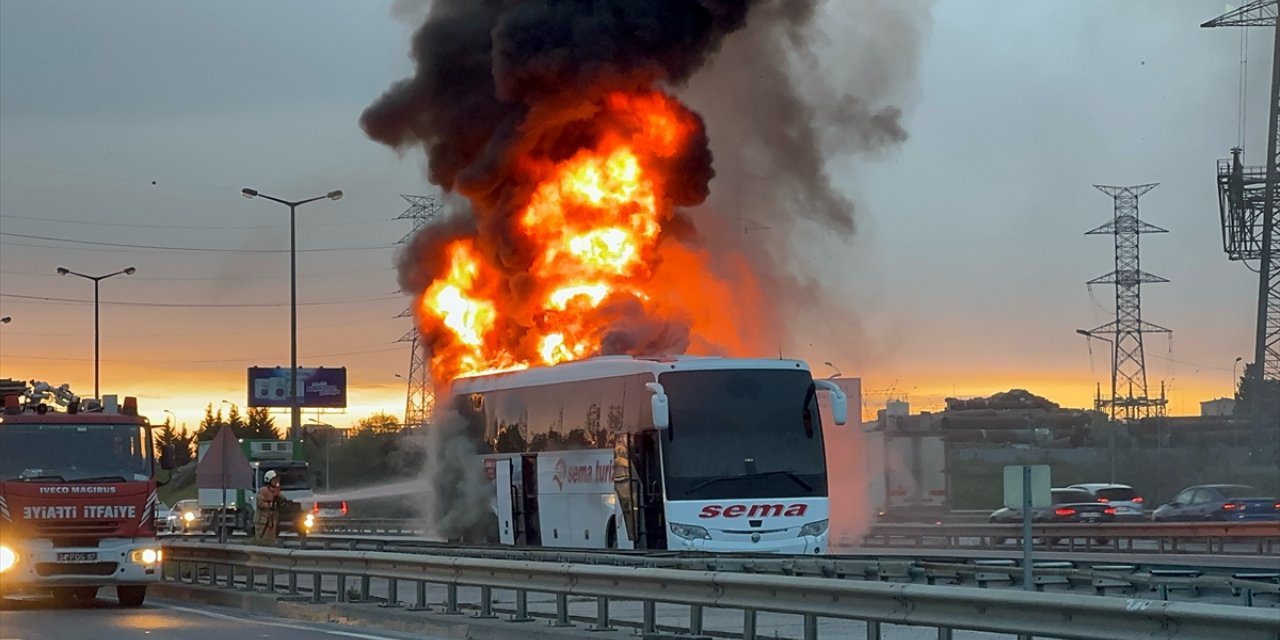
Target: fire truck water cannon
{"x": 38, "y": 394}
{"x": 78, "y": 496}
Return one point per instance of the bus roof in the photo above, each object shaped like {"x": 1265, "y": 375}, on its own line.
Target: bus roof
{"x": 610, "y": 367}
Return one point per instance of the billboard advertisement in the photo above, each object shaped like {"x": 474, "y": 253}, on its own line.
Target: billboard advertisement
{"x": 323, "y": 387}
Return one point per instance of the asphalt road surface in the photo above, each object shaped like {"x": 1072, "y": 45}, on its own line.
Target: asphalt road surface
{"x": 32, "y": 618}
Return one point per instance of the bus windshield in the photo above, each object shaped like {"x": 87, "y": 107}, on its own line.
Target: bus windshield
{"x": 75, "y": 452}
{"x": 743, "y": 434}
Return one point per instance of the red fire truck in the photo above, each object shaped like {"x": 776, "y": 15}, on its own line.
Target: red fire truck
{"x": 77, "y": 496}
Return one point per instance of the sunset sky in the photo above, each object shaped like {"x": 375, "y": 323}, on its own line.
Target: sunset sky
{"x": 138, "y": 122}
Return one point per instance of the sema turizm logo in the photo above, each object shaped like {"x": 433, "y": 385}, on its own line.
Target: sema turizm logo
{"x": 581, "y": 473}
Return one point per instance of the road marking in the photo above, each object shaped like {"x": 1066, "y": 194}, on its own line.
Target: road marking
{"x": 292, "y": 625}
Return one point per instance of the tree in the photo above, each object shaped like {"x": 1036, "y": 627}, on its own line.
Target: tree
{"x": 210, "y": 424}
{"x": 260, "y": 425}
{"x": 236, "y": 422}
{"x": 1247, "y": 394}
{"x": 180, "y": 440}
{"x": 378, "y": 423}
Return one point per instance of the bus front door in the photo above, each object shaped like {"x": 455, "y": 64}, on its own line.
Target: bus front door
{"x": 508, "y": 526}
{"x": 648, "y": 468}
{"x": 528, "y": 501}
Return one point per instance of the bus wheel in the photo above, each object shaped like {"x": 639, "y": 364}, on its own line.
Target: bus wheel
{"x": 131, "y": 595}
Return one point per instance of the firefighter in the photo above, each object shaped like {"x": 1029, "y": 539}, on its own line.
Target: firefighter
{"x": 266, "y": 522}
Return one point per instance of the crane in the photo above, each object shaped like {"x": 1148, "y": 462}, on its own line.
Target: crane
{"x": 1248, "y": 200}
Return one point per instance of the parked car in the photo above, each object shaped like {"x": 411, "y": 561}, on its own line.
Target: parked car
{"x": 162, "y": 517}
{"x": 1123, "y": 497}
{"x": 1224, "y": 502}
{"x": 185, "y": 517}
{"x": 1068, "y": 505}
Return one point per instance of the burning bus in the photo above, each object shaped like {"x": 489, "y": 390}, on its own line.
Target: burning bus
{"x": 680, "y": 453}
{"x": 77, "y": 497}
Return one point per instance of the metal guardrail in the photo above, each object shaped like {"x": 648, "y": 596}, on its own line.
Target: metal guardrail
{"x": 945, "y": 608}
{"x": 1169, "y": 537}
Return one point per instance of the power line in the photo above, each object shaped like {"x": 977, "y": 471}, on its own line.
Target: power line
{"x": 186, "y": 226}
{"x": 176, "y": 248}
{"x": 333, "y": 274}
{"x": 230, "y": 305}
{"x": 253, "y": 358}
{"x": 189, "y": 334}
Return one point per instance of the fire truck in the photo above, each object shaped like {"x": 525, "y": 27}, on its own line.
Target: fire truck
{"x": 77, "y": 496}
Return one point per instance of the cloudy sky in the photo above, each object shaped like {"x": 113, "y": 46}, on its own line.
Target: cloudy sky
{"x": 136, "y": 123}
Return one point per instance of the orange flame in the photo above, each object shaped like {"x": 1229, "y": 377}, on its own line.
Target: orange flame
{"x": 594, "y": 221}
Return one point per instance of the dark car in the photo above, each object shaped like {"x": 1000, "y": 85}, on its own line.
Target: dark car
{"x": 1218, "y": 502}
{"x": 1127, "y": 502}
{"x": 1069, "y": 505}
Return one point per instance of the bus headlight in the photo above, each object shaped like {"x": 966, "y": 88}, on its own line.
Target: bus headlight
{"x": 689, "y": 531}
{"x": 146, "y": 556}
{"x": 309, "y": 521}
{"x": 8, "y": 558}
{"x": 815, "y": 528}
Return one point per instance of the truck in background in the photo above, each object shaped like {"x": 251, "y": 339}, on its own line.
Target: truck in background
{"x": 912, "y": 481}
{"x": 77, "y": 496}
{"x": 286, "y": 459}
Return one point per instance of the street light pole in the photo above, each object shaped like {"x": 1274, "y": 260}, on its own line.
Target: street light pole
{"x": 1111, "y": 429}
{"x": 295, "y": 406}
{"x": 127, "y": 271}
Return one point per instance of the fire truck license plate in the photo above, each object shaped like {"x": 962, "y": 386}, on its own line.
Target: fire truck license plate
{"x": 78, "y": 556}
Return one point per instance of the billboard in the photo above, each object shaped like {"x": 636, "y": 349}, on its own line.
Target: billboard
{"x": 323, "y": 387}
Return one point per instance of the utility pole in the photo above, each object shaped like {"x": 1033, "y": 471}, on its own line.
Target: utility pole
{"x": 1248, "y": 198}
{"x": 420, "y": 397}
{"x": 1129, "y": 398}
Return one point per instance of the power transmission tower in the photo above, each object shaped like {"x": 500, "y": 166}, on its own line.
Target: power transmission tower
{"x": 420, "y": 397}
{"x": 1129, "y": 399}
{"x": 1248, "y": 198}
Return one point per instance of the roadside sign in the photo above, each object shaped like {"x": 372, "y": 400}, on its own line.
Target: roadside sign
{"x": 1040, "y": 483}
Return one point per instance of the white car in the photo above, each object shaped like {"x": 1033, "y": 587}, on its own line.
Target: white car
{"x": 162, "y": 517}
{"x": 185, "y": 517}
{"x": 1129, "y": 505}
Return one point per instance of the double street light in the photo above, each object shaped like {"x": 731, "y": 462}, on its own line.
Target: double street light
{"x": 295, "y": 407}
{"x": 127, "y": 271}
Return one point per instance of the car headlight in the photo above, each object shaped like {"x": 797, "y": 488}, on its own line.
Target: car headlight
{"x": 309, "y": 521}
{"x": 146, "y": 556}
{"x": 8, "y": 558}
{"x": 815, "y": 528}
{"x": 189, "y": 516}
{"x": 689, "y": 531}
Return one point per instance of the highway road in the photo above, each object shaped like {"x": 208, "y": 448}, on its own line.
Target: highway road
{"x": 31, "y": 618}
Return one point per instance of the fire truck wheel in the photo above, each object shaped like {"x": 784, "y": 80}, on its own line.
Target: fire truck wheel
{"x": 131, "y": 595}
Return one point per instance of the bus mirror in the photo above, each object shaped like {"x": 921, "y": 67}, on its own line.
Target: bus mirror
{"x": 658, "y": 403}
{"x": 839, "y": 401}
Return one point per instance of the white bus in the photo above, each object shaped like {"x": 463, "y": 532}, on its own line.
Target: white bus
{"x": 680, "y": 453}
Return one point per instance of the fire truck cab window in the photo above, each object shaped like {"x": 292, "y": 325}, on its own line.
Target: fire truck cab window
{"x": 101, "y": 452}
